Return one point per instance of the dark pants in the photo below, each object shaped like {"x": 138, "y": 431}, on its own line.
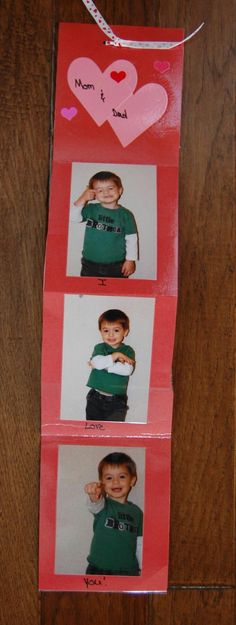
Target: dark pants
{"x": 93, "y": 570}
{"x": 105, "y": 407}
{"x": 101, "y": 270}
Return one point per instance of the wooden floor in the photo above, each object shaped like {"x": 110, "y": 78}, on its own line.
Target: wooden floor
{"x": 202, "y": 565}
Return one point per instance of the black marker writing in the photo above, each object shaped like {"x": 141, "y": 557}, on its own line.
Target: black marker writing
{"x": 118, "y": 114}
{"x": 78, "y": 83}
{"x": 101, "y": 282}
{"x": 102, "y": 96}
{"x": 93, "y": 582}
{"x": 94, "y": 426}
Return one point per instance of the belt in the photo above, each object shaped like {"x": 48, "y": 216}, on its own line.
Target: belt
{"x": 108, "y": 398}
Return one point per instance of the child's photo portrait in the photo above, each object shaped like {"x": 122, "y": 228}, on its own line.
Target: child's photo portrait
{"x": 113, "y": 221}
{"x": 99, "y": 512}
{"x": 106, "y": 358}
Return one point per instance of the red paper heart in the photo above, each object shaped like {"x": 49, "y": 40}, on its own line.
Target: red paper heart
{"x": 118, "y": 76}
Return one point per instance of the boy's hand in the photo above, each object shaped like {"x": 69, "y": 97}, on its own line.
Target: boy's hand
{"x": 86, "y": 196}
{"x": 128, "y": 268}
{"x": 122, "y": 358}
{"x": 90, "y": 364}
{"x": 94, "y": 490}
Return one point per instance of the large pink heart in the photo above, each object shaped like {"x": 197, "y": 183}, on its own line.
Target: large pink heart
{"x": 97, "y": 91}
{"x": 140, "y": 111}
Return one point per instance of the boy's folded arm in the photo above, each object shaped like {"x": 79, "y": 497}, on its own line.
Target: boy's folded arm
{"x": 131, "y": 243}
{"x": 101, "y": 362}
{"x": 106, "y": 362}
{"x": 121, "y": 368}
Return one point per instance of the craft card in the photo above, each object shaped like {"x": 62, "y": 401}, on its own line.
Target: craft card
{"x": 68, "y": 525}
{"x": 110, "y": 297}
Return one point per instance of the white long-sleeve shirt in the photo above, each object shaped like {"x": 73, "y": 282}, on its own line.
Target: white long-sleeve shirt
{"x": 106, "y": 362}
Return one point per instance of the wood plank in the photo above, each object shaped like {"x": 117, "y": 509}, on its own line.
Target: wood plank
{"x": 202, "y": 452}
{"x": 118, "y": 609}
{"x": 26, "y": 44}
{"x": 192, "y": 606}
{"x": 188, "y": 606}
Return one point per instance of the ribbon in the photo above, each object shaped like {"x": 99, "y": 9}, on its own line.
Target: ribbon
{"x": 125, "y": 43}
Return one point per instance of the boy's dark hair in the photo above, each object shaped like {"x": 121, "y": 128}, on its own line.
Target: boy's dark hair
{"x": 112, "y": 316}
{"x": 116, "y": 459}
{"x": 105, "y": 175}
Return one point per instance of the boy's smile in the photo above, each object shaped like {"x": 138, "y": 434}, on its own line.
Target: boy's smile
{"x": 117, "y": 482}
{"x": 107, "y": 193}
{"x": 113, "y": 333}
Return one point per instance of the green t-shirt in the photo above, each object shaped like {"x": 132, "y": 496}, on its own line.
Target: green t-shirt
{"x": 101, "y": 379}
{"x": 106, "y": 228}
{"x": 114, "y": 543}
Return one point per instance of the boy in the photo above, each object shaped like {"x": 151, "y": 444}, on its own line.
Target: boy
{"x": 116, "y": 546}
{"x": 110, "y": 243}
{"x": 112, "y": 363}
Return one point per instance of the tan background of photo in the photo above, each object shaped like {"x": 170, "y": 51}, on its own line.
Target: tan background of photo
{"x": 202, "y": 564}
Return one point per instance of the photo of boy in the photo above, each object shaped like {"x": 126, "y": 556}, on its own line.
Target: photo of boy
{"x": 116, "y": 547}
{"x": 112, "y": 362}
{"x": 110, "y": 246}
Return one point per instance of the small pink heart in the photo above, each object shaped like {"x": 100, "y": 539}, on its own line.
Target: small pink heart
{"x": 69, "y": 113}
{"x": 118, "y": 76}
{"x": 161, "y": 66}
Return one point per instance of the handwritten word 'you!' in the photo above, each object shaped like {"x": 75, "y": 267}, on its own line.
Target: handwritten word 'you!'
{"x": 93, "y": 582}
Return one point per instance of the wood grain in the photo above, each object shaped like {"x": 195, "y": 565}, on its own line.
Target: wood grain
{"x": 188, "y": 607}
{"x": 202, "y": 501}
{"x": 26, "y": 52}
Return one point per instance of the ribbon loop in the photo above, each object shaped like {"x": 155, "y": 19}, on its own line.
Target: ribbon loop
{"x": 125, "y": 43}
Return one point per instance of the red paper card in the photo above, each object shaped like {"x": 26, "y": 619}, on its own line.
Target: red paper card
{"x": 113, "y": 218}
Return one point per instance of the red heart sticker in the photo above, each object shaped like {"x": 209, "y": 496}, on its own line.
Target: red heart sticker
{"x": 118, "y": 76}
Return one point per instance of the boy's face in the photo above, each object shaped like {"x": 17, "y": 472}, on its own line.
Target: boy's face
{"x": 113, "y": 333}
{"x": 107, "y": 192}
{"x": 117, "y": 482}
